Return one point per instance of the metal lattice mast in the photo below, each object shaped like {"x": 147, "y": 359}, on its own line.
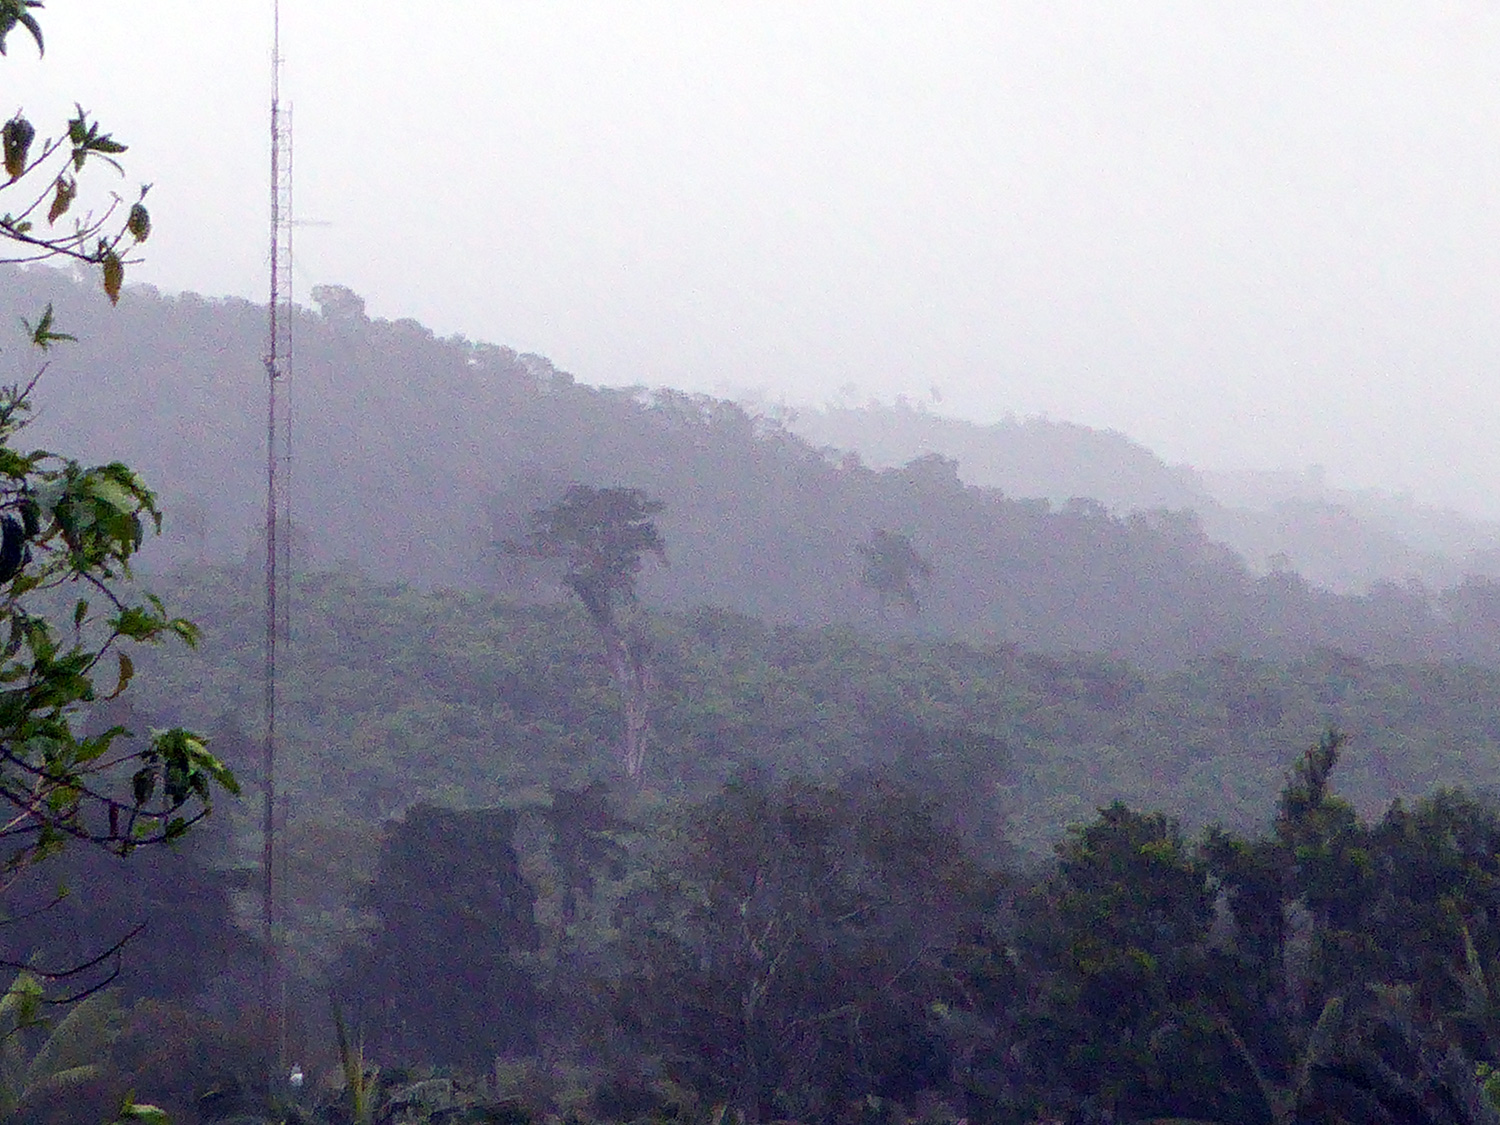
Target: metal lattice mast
{"x": 277, "y": 365}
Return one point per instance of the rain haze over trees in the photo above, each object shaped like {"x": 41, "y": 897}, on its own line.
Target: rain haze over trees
{"x": 656, "y": 755}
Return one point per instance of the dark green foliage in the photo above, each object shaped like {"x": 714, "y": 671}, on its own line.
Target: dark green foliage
{"x": 196, "y": 1066}
{"x": 442, "y": 980}
{"x": 831, "y": 952}
{"x": 14, "y": 12}
{"x": 72, "y": 620}
{"x": 1294, "y": 977}
{"x": 586, "y": 848}
{"x": 72, "y": 616}
{"x": 1120, "y": 937}
{"x": 793, "y": 959}
{"x": 966, "y": 773}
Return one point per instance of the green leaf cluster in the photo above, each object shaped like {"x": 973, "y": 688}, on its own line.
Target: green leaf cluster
{"x": 69, "y": 610}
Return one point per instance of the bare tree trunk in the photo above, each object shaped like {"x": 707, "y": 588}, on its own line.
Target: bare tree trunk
{"x": 637, "y": 708}
{"x": 628, "y": 665}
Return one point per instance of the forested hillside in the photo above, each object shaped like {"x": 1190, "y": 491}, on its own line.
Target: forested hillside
{"x": 397, "y": 696}
{"x": 876, "y": 700}
{"x": 850, "y": 831}
{"x": 627, "y": 757}
{"x": 1036, "y": 458}
{"x": 1346, "y": 540}
{"x": 415, "y": 457}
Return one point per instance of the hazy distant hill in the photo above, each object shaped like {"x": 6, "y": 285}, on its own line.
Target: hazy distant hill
{"x": 1032, "y": 457}
{"x": 414, "y": 455}
{"x": 1343, "y": 539}
{"x": 1426, "y": 530}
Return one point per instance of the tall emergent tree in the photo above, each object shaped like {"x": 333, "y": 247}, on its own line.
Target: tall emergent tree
{"x": 602, "y": 535}
{"x": 893, "y": 568}
{"x": 69, "y": 611}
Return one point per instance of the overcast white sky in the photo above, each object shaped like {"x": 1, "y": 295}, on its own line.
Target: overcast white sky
{"x": 1245, "y": 234}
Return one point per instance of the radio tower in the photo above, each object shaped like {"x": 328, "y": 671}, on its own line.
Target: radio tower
{"x": 278, "y": 538}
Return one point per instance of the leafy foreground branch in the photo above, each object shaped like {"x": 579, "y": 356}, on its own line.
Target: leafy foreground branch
{"x": 67, "y": 535}
{"x": 42, "y": 217}
{"x": 68, "y": 610}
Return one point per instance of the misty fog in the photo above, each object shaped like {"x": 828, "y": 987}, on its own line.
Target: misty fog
{"x": 819, "y": 564}
{"x": 1251, "y": 238}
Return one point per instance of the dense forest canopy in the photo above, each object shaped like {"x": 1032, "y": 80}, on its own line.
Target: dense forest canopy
{"x": 397, "y": 695}
{"x": 851, "y": 947}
